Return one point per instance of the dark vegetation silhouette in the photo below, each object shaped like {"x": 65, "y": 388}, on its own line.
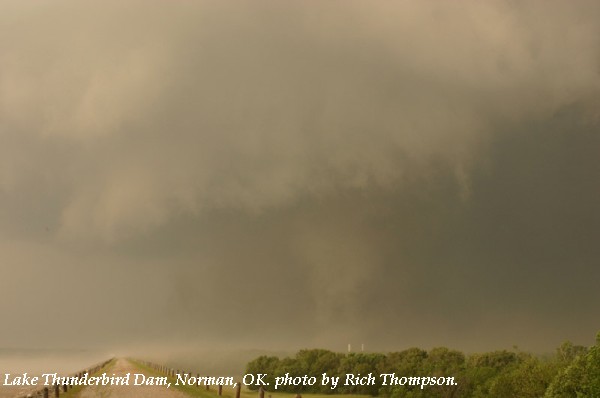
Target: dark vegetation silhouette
{"x": 573, "y": 371}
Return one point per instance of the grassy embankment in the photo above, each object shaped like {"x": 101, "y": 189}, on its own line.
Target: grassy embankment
{"x": 228, "y": 392}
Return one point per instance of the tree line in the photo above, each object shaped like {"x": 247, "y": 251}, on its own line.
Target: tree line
{"x": 573, "y": 371}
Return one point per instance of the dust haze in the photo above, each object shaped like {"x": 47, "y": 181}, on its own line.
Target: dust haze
{"x": 279, "y": 175}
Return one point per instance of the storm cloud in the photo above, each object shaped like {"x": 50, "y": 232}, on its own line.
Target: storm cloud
{"x": 292, "y": 173}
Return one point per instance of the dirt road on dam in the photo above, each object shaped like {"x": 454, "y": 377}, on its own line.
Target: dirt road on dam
{"x": 121, "y": 369}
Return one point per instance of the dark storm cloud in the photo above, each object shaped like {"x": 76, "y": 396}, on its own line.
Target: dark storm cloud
{"x": 405, "y": 173}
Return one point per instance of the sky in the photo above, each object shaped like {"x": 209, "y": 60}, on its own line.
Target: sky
{"x": 294, "y": 174}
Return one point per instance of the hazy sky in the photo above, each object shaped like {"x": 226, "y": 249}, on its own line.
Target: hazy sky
{"x": 300, "y": 174}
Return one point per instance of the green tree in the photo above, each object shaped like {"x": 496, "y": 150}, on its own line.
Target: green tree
{"x": 263, "y": 364}
{"x": 529, "y": 378}
{"x": 581, "y": 379}
{"x": 482, "y": 369}
{"x": 409, "y": 362}
{"x": 359, "y": 364}
{"x": 445, "y": 362}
